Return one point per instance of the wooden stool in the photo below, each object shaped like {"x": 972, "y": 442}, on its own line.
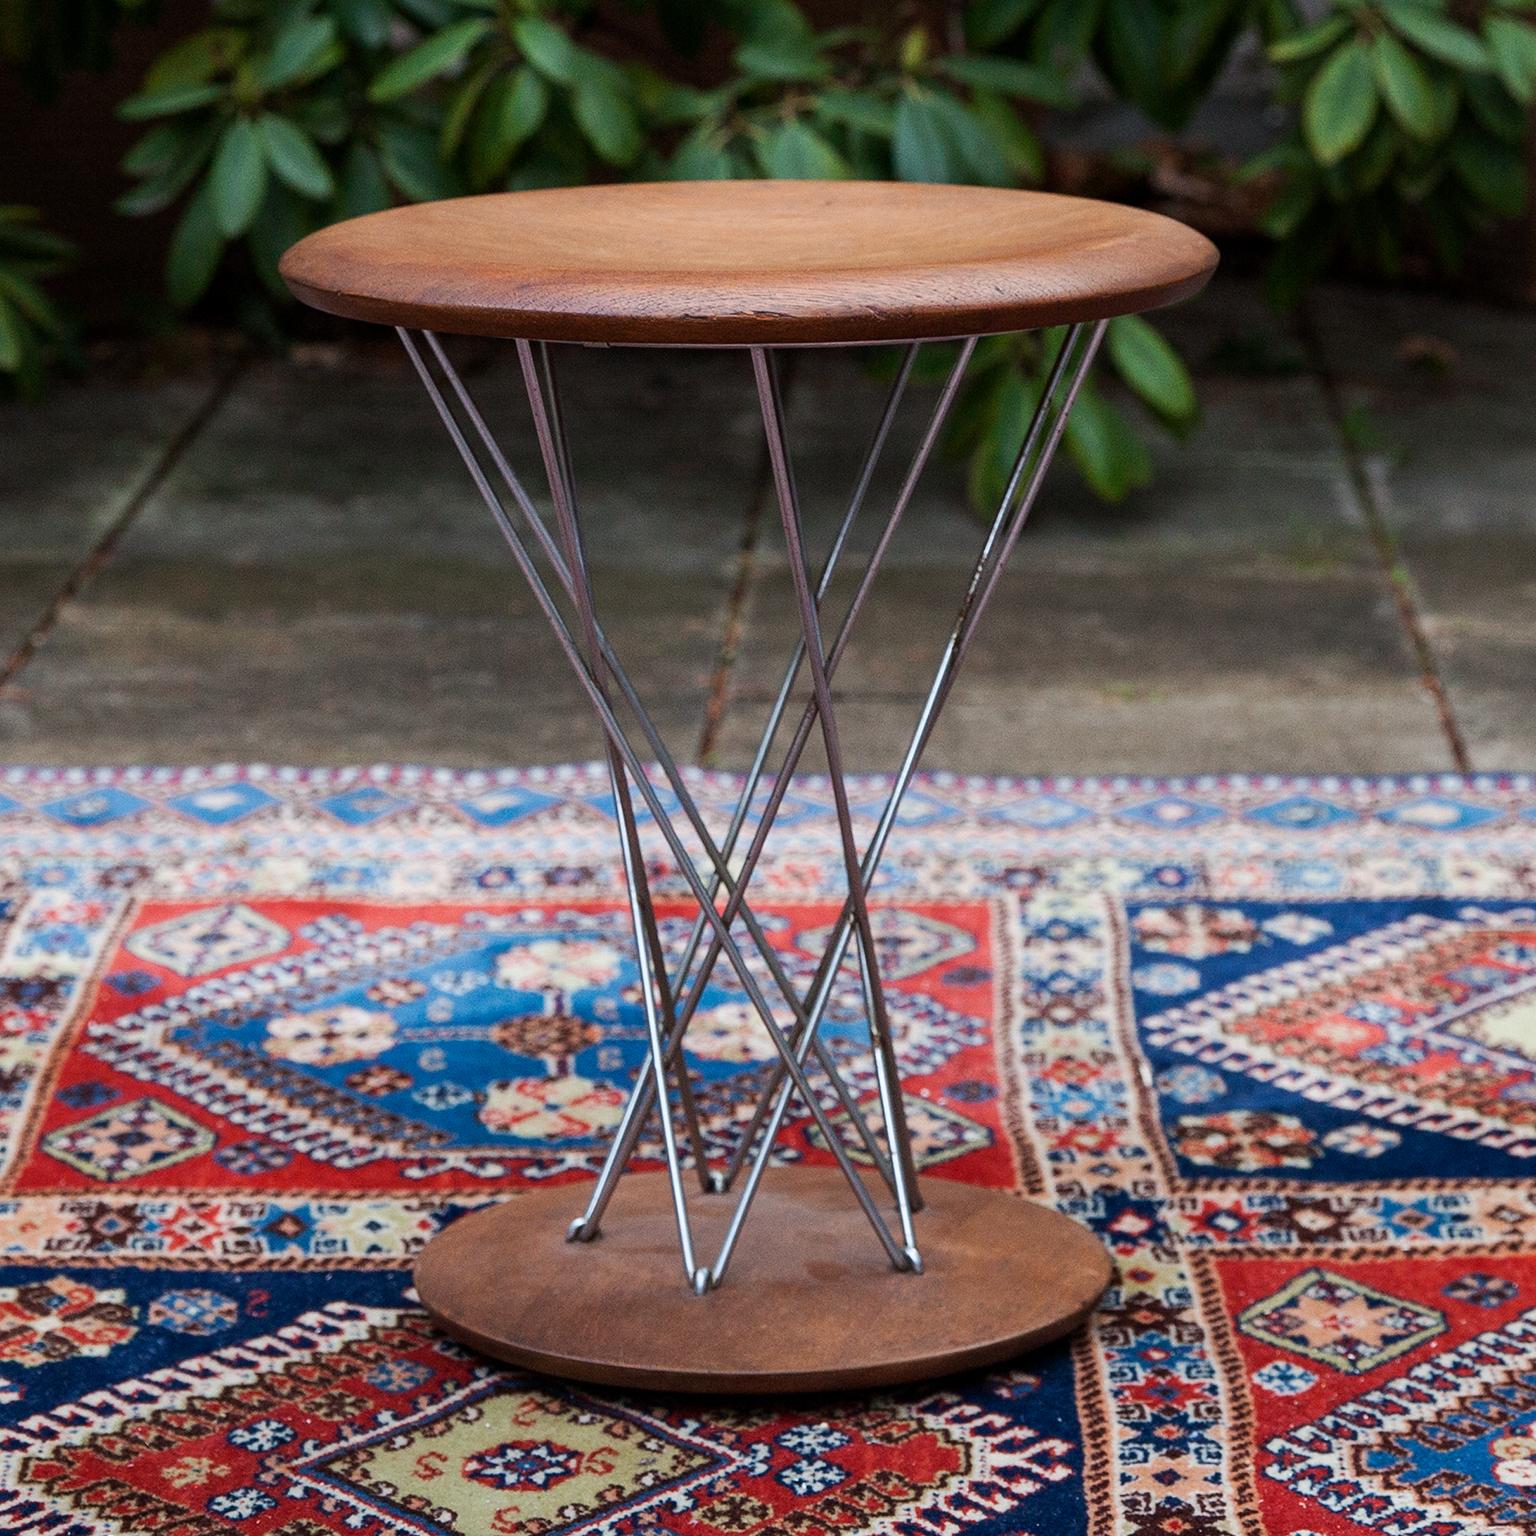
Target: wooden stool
{"x": 838, "y": 1280}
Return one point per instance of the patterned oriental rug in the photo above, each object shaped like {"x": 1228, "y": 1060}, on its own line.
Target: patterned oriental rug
{"x": 265, "y": 1031}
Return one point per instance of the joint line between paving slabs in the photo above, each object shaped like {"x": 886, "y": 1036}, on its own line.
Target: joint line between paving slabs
{"x": 1399, "y": 580}
{"x": 102, "y": 551}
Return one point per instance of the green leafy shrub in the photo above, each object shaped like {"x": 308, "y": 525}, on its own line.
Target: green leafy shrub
{"x": 1410, "y": 124}
{"x": 263, "y": 130}
{"x": 32, "y": 330}
{"x": 1409, "y": 118}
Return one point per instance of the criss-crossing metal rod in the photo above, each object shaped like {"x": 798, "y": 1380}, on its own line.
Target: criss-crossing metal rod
{"x": 631, "y": 1124}
{"x": 591, "y": 659}
{"x": 793, "y": 1063}
{"x": 1070, "y": 368}
{"x": 770, "y": 730}
{"x": 622, "y": 1147}
{"x": 591, "y": 686}
{"x": 653, "y": 984}
{"x": 576, "y": 563}
{"x": 772, "y": 407}
{"x": 819, "y": 994}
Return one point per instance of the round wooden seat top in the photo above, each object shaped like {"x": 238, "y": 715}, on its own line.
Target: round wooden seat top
{"x": 735, "y": 263}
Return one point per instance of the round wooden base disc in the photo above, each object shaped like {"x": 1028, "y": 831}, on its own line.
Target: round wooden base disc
{"x": 809, "y": 1304}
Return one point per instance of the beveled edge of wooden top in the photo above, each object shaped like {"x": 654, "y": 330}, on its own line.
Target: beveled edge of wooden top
{"x": 337, "y": 270}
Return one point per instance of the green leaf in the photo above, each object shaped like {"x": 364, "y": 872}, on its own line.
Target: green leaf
{"x": 663, "y": 101}
{"x": 1404, "y": 87}
{"x": 12, "y": 339}
{"x": 971, "y": 140}
{"x": 1439, "y": 37}
{"x": 509, "y": 116}
{"x": 1133, "y": 46}
{"x": 1495, "y": 109}
{"x": 795, "y": 151}
{"x": 1064, "y": 30}
{"x": 608, "y": 121}
{"x": 988, "y": 22}
{"x": 283, "y": 221}
{"x": 40, "y": 247}
{"x": 1370, "y": 165}
{"x": 196, "y": 59}
{"x": 1014, "y": 137}
{"x": 783, "y": 58}
{"x": 1493, "y": 172}
{"x": 157, "y": 150}
{"x": 326, "y": 119}
{"x": 546, "y": 47}
{"x": 193, "y": 146}
{"x": 1012, "y": 77}
{"x": 857, "y": 109}
{"x": 1104, "y": 446}
{"x": 998, "y": 414}
{"x": 1513, "y": 47}
{"x": 292, "y": 155}
{"x": 1304, "y": 44}
{"x": 366, "y": 22}
{"x": 182, "y": 98}
{"x": 238, "y": 181}
{"x": 700, "y": 158}
{"x": 757, "y": 19}
{"x": 1445, "y": 90}
{"x": 1340, "y": 104}
{"x": 972, "y": 415}
{"x": 363, "y": 188}
{"x": 461, "y": 105}
{"x": 409, "y": 156}
{"x": 428, "y": 59}
{"x": 195, "y": 249}
{"x": 429, "y": 15}
{"x": 1291, "y": 205}
{"x": 305, "y": 47}
{"x": 32, "y": 302}
{"x": 1144, "y": 359}
{"x": 920, "y": 148}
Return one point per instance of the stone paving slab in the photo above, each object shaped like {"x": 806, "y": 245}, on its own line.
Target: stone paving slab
{"x": 1233, "y": 614}
{"x": 317, "y": 580}
{"x": 1224, "y": 666}
{"x": 1261, "y": 474}
{"x": 68, "y": 468}
{"x": 1238, "y": 727}
{"x": 150, "y": 684}
{"x": 308, "y": 464}
{"x": 1450, "y": 446}
{"x": 314, "y": 578}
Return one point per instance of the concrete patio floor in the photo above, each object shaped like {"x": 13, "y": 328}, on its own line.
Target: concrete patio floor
{"x": 283, "y": 561}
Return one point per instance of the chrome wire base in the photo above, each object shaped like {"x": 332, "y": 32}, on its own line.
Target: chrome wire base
{"x": 719, "y": 872}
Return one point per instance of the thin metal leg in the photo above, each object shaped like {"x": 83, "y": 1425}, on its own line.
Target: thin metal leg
{"x": 592, "y": 661}
{"x": 576, "y": 561}
{"x": 642, "y": 915}
{"x": 821, "y": 988}
{"x": 1069, "y": 370}
{"x": 622, "y": 1146}
{"x": 592, "y": 685}
{"x": 775, "y": 718}
{"x": 810, "y": 629}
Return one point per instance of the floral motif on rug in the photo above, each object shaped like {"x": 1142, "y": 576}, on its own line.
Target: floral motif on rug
{"x": 264, "y": 1032}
